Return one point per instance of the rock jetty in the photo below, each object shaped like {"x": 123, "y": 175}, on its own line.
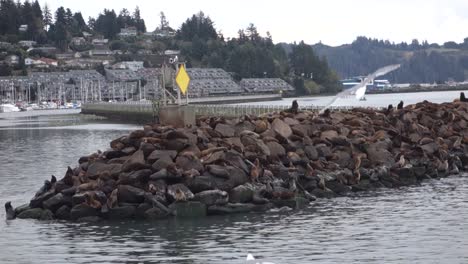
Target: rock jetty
{"x": 223, "y": 166}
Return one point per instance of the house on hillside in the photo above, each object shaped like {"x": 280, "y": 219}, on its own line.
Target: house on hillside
{"x": 78, "y": 41}
{"x": 100, "y": 41}
{"x": 128, "y": 32}
{"x": 12, "y": 60}
{"x": 130, "y": 65}
{"x": 27, "y": 43}
{"x": 23, "y": 28}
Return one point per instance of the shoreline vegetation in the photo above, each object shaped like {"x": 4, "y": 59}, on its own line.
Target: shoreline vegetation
{"x": 223, "y": 166}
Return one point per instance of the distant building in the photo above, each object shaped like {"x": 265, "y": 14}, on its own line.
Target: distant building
{"x": 5, "y": 45}
{"x": 47, "y": 50}
{"x": 27, "y": 43}
{"x": 171, "y": 52}
{"x": 100, "y": 41}
{"x": 86, "y": 34}
{"x": 78, "y": 41}
{"x": 128, "y": 32}
{"x": 128, "y": 65}
{"x": 23, "y": 28}
{"x": 12, "y": 60}
{"x": 265, "y": 85}
{"x": 100, "y": 52}
{"x": 41, "y": 62}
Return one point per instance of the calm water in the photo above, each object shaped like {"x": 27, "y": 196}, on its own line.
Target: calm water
{"x": 424, "y": 224}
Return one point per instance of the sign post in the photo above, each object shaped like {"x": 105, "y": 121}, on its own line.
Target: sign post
{"x": 183, "y": 80}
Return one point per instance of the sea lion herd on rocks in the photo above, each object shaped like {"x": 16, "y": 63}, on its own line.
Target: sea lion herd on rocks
{"x": 255, "y": 163}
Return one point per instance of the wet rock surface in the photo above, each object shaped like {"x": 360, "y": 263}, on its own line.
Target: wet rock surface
{"x": 251, "y": 164}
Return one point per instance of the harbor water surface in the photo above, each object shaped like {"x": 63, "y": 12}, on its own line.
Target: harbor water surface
{"x": 418, "y": 224}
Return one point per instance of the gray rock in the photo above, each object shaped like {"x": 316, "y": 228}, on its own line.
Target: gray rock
{"x": 36, "y": 213}
{"x": 324, "y": 151}
{"x": 231, "y": 208}
{"x": 162, "y": 163}
{"x": 311, "y": 152}
{"x": 378, "y": 154}
{"x": 155, "y": 214}
{"x": 189, "y": 162}
{"x": 281, "y": 128}
{"x": 202, "y": 183}
{"x": 135, "y": 162}
{"x": 212, "y": 197}
{"x": 21, "y": 208}
{"x": 78, "y": 199}
{"x": 218, "y": 171}
{"x": 241, "y": 194}
{"x": 225, "y": 130}
{"x": 122, "y": 212}
{"x": 130, "y": 194}
{"x": 337, "y": 187}
{"x": 89, "y": 219}
{"x": 141, "y": 209}
{"x": 147, "y": 148}
{"x": 276, "y": 150}
{"x": 158, "y": 154}
{"x": 57, "y": 201}
{"x": 82, "y": 210}
{"x": 63, "y": 212}
{"x": 38, "y": 200}
{"x": 96, "y": 168}
{"x": 188, "y": 209}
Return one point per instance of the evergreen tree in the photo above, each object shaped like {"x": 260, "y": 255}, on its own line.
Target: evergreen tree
{"x": 47, "y": 17}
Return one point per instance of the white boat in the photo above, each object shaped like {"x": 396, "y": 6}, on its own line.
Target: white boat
{"x": 8, "y": 108}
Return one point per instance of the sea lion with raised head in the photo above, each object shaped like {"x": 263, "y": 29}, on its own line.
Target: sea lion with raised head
{"x": 10, "y": 212}
{"x": 400, "y": 105}
{"x": 180, "y": 195}
{"x": 46, "y": 187}
{"x": 462, "y": 97}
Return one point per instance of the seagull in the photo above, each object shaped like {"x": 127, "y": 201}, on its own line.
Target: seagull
{"x": 252, "y": 260}
{"x": 359, "y": 90}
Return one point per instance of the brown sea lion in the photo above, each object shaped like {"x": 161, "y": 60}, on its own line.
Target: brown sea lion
{"x": 255, "y": 170}
{"x": 90, "y": 199}
{"x": 113, "y": 199}
{"x": 180, "y": 196}
{"x": 462, "y": 97}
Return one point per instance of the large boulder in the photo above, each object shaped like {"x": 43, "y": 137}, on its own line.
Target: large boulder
{"x": 276, "y": 150}
{"x": 122, "y": 212}
{"x": 162, "y": 163}
{"x": 130, "y": 194}
{"x": 202, "y": 183}
{"x": 225, "y": 130}
{"x": 158, "y": 154}
{"x": 135, "y": 162}
{"x": 281, "y": 128}
{"x": 241, "y": 194}
{"x": 379, "y": 155}
{"x": 82, "y": 210}
{"x": 36, "y": 213}
{"x": 57, "y": 201}
{"x": 189, "y": 162}
{"x": 188, "y": 209}
{"x": 155, "y": 214}
{"x": 212, "y": 197}
{"x": 232, "y": 208}
{"x": 96, "y": 168}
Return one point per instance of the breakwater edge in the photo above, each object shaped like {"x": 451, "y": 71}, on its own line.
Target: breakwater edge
{"x": 286, "y": 159}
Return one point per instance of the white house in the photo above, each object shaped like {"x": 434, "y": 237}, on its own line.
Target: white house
{"x": 27, "y": 43}
{"x": 100, "y": 41}
{"x": 128, "y": 32}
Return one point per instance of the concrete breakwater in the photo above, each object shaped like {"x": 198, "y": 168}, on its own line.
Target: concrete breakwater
{"x": 222, "y": 166}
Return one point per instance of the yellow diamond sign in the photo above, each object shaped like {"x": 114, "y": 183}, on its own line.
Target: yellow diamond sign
{"x": 182, "y": 79}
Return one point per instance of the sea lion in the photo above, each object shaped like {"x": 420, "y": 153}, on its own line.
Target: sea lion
{"x": 53, "y": 179}
{"x": 294, "y": 107}
{"x": 255, "y": 170}
{"x": 10, "y": 212}
{"x": 462, "y": 97}
{"x": 401, "y": 162}
{"x": 113, "y": 199}
{"x": 91, "y": 200}
{"x": 46, "y": 187}
{"x": 180, "y": 196}
{"x": 400, "y": 105}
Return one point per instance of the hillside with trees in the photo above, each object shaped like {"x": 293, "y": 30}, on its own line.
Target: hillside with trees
{"x": 421, "y": 62}
{"x": 249, "y": 55}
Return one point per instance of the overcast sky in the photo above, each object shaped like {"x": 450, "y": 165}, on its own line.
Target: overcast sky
{"x": 333, "y": 22}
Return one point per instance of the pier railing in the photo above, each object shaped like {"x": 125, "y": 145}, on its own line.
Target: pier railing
{"x": 149, "y": 108}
